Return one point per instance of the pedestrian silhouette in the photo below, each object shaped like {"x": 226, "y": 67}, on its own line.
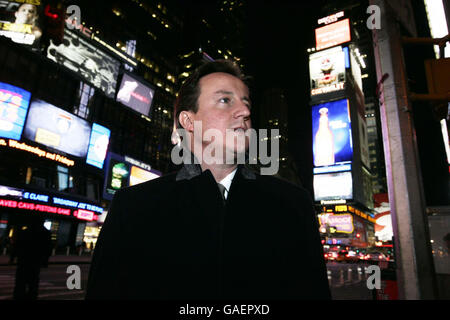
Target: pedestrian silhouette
{"x": 33, "y": 251}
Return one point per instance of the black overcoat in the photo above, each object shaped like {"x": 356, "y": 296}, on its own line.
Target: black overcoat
{"x": 173, "y": 238}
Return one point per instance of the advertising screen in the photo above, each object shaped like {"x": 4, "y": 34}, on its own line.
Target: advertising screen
{"x": 340, "y": 222}
{"x": 123, "y": 172}
{"x": 14, "y": 104}
{"x": 56, "y": 128}
{"x": 333, "y": 34}
{"x": 327, "y": 71}
{"x": 331, "y": 186}
{"x": 135, "y": 95}
{"x": 98, "y": 145}
{"x": 332, "y": 134}
{"x": 139, "y": 175}
{"x": 95, "y": 66}
{"x": 21, "y": 21}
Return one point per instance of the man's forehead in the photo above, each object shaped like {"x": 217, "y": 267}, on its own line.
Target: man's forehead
{"x": 221, "y": 82}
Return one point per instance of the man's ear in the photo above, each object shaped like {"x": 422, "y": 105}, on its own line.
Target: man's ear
{"x": 185, "y": 119}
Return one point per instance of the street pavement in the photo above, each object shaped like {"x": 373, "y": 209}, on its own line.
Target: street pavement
{"x": 347, "y": 281}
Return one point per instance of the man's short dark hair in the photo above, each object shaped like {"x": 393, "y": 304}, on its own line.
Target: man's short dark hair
{"x": 189, "y": 92}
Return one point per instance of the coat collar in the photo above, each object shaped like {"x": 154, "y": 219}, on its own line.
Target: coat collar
{"x": 189, "y": 171}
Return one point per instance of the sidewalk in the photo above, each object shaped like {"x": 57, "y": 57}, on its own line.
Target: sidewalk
{"x": 57, "y": 259}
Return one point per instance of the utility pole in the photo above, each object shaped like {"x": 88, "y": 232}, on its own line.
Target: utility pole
{"x": 415, "y": 269}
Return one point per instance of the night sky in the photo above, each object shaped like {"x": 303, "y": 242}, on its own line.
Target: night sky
{"x": 278, "y": 36}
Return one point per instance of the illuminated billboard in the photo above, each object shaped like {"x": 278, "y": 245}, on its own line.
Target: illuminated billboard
{"x": 20, "y": 21}
{"x": 14, "y": 104}
{"x": 331, "y": 186}
{"x": 340, "y": 222}
{"x": 139, "y": 175}
{"x": 98, "y": 145}
{"x": 333, "y": 34}
{"x": 56, "y": 128}
{"x": 327, "y": 71}
{"x": 332, "y": 134}
{"x": 95, "y": 66}
{"x": 123, "y": 171}
{"x": 135, "y": 94}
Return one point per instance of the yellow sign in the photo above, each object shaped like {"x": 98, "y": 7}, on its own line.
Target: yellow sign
{"x": 47, "y": 137}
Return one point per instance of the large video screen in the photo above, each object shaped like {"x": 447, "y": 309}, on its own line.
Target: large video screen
{"x": 98, "y": 145}
{"x": 21, "y": 21}
{"x": 332, "y": 133}
{"x": 327, "y": 71}
{"x": 57, "y": 128}
{"x": 135, "y": 94}
{"x": 333, "y": 186}
{"x": 14, "y": 104}
{"x": 95, "y": 66}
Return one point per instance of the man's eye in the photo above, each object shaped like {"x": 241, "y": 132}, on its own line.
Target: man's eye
{"x": 224, "y": 100}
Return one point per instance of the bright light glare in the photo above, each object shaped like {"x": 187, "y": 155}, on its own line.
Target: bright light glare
{"x": 446, "y": 140}
{"x": 437, "y": 23}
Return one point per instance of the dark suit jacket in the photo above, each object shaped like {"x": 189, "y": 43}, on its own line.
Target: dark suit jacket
{"x": 173, "y": 238}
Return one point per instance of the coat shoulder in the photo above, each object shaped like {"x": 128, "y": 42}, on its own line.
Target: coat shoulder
{"x": 151, "y": 187}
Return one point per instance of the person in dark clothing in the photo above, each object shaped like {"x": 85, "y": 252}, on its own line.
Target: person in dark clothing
{"x": 213, "y": 230}
{"x": 33, "y": 251}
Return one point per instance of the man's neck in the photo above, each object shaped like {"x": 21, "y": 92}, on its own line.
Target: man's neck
{"x": 219, "y": 171}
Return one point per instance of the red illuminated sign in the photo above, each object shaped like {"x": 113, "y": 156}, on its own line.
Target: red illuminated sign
{"x": 333, "y": 34}
{"x": 84, "y": 215}
{"x": 33, "y": 207}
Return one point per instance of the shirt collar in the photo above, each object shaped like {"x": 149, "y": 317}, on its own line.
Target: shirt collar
{"x": 226, "y": 182}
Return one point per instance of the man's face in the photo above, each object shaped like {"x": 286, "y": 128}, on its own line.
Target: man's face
{"x": 25, "y": 14}
{"x": 224, "y": 104}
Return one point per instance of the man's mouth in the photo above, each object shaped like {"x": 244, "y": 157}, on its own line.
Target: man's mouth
{"x": 240, "y": 129}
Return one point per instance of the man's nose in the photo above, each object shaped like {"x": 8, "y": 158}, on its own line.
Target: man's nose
{"x": 242, "y": 110}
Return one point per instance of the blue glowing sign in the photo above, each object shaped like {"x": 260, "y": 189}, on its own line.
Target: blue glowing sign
{"x": 98, "y": 145}
{"x": 14, "y": 104}
{"x": 35, "y": 196}
{"x": 332, "y": 133}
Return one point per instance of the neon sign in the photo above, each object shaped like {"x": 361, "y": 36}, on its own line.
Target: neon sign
{"x": 84, "y": 215}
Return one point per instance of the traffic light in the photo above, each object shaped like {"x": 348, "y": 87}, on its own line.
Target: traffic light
{"x": 55, "y": 16}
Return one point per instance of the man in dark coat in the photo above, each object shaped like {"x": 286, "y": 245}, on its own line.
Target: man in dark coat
{"x": 212, "y": 230}
{"x": 33, "y": 251}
